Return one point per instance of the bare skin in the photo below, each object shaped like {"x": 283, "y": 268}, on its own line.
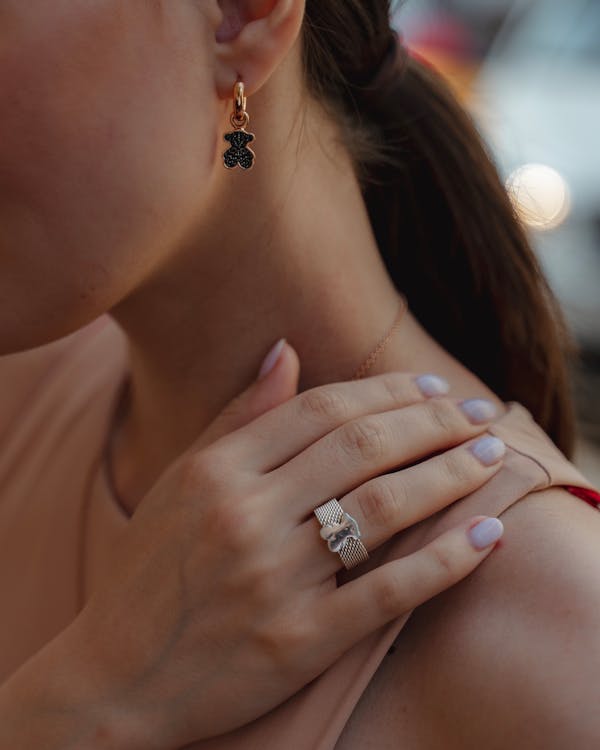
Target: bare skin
{"x": 206, "y": 274}
{"x": 113, "y": 191}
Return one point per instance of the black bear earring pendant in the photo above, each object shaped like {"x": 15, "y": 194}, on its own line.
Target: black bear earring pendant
{"x": 239, "y": 153}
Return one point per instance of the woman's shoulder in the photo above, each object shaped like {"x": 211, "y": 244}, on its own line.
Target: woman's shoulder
{"x": 510, "y": 655}
{"x": 519, "y": 639}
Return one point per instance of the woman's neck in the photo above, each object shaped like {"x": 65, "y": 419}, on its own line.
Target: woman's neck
{"x": 292, "y": 255}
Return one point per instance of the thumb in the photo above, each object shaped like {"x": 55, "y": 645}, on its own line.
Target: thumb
{"x": 277, "y": 382}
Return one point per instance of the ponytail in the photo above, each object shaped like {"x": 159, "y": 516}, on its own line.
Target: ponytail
{"x": 443, "y": 221}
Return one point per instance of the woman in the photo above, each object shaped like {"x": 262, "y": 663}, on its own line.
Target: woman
{"x": 364, "y": 181}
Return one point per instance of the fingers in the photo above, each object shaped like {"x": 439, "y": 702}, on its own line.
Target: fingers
{"x": 369, "y": 446}
{"x": 359, "y": 607}
{"x": 390, "y": 503}
{"x": 312, "y": 414}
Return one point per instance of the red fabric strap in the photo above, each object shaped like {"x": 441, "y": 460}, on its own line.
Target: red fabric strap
{"x": 590, "y": 496}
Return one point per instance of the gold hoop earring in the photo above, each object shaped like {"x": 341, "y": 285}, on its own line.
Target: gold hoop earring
{"x": 239, "y": 153}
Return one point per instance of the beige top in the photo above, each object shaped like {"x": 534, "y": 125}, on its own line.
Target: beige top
{"x": 59, "y": 519}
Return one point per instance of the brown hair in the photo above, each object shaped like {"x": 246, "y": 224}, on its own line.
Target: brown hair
{"x": 443, "y": 221}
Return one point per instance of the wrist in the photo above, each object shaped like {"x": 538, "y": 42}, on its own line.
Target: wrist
{"x": 58, "y": 699}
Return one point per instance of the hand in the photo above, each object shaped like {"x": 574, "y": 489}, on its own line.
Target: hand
{"x": 221, "y": 600}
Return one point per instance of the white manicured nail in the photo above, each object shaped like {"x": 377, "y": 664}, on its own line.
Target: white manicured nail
{"x": 489, "y": 450}
{"x": 486, "y": 532}
{"x": 271, "y": 359}
{"x": 432, "y": 385}
{"x": 478, "y": 410}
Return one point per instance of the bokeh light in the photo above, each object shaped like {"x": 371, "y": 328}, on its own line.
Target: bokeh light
{"x": 540, "y": 195}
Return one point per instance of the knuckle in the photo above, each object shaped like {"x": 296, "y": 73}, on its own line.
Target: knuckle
{"x": 324, "y": 403}
{"x": 237, "y": 527}
{"x": 380, "y": 504}
{"x": 284, "y": 644}
{"x": 223, "y": 422}
{"x": 444, "y": 562}
{"x": 363, "y": 439}
{"x": 397, "y": 387}
{"x": 246, "y": 534}
{"x": 442, "y": 416}
{"x": 204, "y": 470}
{"x": 390, "y": 595}
{"x": 455, "y": 469}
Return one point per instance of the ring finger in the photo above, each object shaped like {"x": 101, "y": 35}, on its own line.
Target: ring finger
{"x": 387, "y": 504}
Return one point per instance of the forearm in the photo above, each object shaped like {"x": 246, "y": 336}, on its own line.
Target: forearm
{"x": 57, "y": 701}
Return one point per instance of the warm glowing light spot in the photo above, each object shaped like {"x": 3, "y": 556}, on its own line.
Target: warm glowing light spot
{"x": 540, "y": 196}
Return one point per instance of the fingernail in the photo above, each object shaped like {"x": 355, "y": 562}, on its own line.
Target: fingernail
{"x": 486, "y": 532}
{"x": 489, "y": 450}
{"x": 271, "y": 359}
{"x": 478, "y": 410}
{"x": 432, "y": 385}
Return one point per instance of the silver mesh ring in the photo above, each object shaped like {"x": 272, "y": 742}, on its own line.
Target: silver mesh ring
{"x": 342, "y": 533}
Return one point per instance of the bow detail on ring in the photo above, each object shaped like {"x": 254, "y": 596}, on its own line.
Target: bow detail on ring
{"x": 337, "y": 534}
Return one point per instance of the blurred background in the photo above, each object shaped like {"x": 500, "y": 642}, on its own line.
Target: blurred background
{"x": 529, "y": 71}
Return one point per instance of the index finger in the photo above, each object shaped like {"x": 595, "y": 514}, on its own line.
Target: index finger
{"x": 278, "y": 435}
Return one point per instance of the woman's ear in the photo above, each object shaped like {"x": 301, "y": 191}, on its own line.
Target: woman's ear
{"x": 254, "y": 36}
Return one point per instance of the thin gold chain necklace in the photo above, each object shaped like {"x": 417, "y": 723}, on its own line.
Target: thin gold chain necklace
{"x": 360, "y": 373}
{"x": 375, "y": 354}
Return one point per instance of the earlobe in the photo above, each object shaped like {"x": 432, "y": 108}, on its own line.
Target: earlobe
{"x": 252, "y": 40}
